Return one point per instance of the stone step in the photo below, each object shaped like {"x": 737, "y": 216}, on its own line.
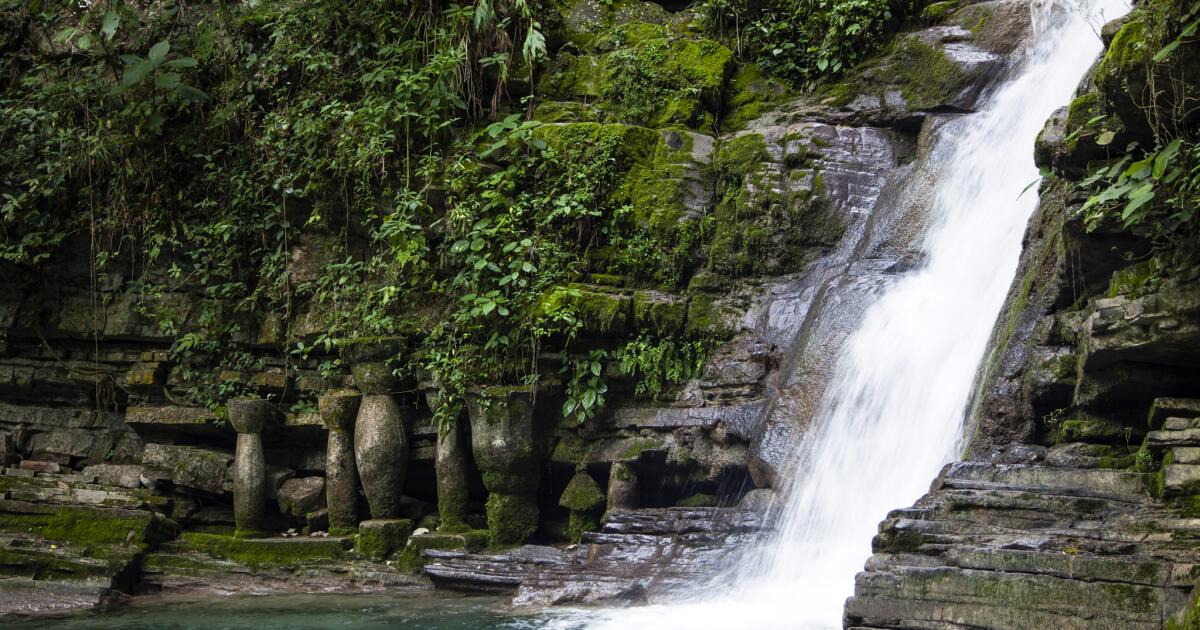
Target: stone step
{"x": 57, "y": 491}
{"x": 1113, "y": 485}
{"x": 1164, "y": 408}
{"x": 1169, "y": 439}
{"x": 200, "y": 573}
{"x": 667, "y": 521}
{"x": 929, "y": 597}
{"x": 255, "y": 552}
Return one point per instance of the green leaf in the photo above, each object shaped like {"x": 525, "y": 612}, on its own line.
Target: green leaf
{"x": 1164, "y": 157}
{"x": 167, "y": 81}
{"x": 158, "y": 52}
{"x": 189, "y": 93}
{"x": 181, "y": 62}
{"x": 1166, "y": 51}
{"x": 108, "y": 26}
{"x": 1105, "y": 138}
{"x": 1137, "y": 199}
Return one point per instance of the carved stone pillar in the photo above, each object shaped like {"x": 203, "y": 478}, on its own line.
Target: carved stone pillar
{"x": 380, "y": 441}
{"x": 338, "y": 412}
{"x": 504, "y": 441}
{"x": 451, "y": 463}
{"x": 248, "y": 417}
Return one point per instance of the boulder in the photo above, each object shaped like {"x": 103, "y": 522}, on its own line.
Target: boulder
{"x": 192, "y": 468}
{"x": 379, "y": 538}
{"x": 300, "y": 496}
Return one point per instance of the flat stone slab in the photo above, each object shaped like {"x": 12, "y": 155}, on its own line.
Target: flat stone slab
{"x": 171, "y": 422}
{"x": 1164, "y": 408}
{"x": 275, "y": 552}
{"x": 1181, "y": 479}
{"x": 1100, "y": 483}
{"x": 1168, "y": 439}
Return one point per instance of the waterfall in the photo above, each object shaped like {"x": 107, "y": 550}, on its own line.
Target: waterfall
{"x": 893, "y": 414}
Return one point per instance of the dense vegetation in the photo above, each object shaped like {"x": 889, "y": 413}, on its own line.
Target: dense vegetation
{"x": 197, "y": 147}
{"x": 1145, "y": 129}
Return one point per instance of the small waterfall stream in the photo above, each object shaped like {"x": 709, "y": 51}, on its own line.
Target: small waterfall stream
{"x": 893, "y": 414}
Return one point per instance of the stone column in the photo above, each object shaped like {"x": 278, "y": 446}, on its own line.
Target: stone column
{"x": 451, "y": 463}
{"x": 380, "y": 440}
{"x": 338, "y": 411}
{"x": 506, "y": 449}
{"x": 248, "y": 417}
{"x": 622, "y": 488}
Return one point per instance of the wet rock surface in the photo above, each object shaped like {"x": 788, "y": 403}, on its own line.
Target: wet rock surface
{"x": 635, "y": 556}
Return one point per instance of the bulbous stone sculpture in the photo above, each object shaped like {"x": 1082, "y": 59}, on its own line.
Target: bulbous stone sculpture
{"x": 338, "y": 412}
{"x": 248, "y": 417}
{"x": 503, "y": 439}
{"x": 380, "y": 441}
{"x": 585, "y": 500}
{"x": 451, "y": 463}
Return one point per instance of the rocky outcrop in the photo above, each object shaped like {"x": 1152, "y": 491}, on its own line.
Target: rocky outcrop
{"x": 1075, "y": 506}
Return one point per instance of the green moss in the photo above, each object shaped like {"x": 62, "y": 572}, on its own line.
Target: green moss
{"x": 39, "y": 564}
{"x": 698, "y": 500}
{"x": 83, "y": 526}
{"x": 927, "y": 77}
{"x": 1083, "y": 108}
{"x": 752, "y": 93}
{"x": 893, "y": 541}
{"x": 664, "y": 316}
{"x": 937, "y": 12}
{"x": 1125, "y": 53}
{"x": 1086, "y": 428}
{"x": 1134, "y": 281}
{"x": 511, "y": 519}
{"x": 636, "y": 446}
{"x": 266, "y": 552}
{"x": 580, "y": 522}
{"x": 378, "y": 539}
{"x": 599, "y": 312}
{"x": 644, "y": 73}
{"x": 582, "y": 494}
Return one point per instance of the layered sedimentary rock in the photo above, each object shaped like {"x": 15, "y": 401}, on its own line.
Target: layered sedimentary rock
{"x": 1075, "y": 506}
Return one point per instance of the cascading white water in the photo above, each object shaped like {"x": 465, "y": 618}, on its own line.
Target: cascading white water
{"x": 893, "y": 414}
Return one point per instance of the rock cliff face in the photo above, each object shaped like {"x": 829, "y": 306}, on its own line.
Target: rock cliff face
{"x": 105, "y": 415}
{"x": 1074, "y": 507}
{"x": 117, "y": 480}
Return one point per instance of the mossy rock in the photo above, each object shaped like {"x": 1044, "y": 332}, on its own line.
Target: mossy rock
{"x": 937, "y": 12}
{"x": 662, "y": 313}
{"x": 601, "y": 313}
{"x": 706, "y": 318}
{"x": 511, "y": 519}
{"x": 699, "y": 499}
{"x": 752, "y": 93}
{"x": 84, "y": 525}
{"x": 1085, "y": 428}
{"x": 645, "y": 73}
{"x": 274, "y": 552}
{"x": 379, "y": 538}
{"x": 582, "y": 494}
{"x": 918, "y": 71}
